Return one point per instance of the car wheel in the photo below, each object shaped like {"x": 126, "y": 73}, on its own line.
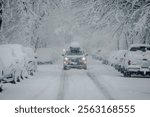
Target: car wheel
{"x": 64, "y": 68}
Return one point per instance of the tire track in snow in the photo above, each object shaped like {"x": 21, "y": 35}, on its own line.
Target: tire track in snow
{"x": 100, "y": 86}
{"x": 36, "y": 96}
{"x": 62, "y": 86}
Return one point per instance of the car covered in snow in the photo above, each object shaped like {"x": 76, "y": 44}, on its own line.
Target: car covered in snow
{"x": 120, "y": 59}
{"x": 10, "y": 64}
{"x": 74, "y": 57}
{"x": 137, "y": 60}
{"x": 112, "y": 58}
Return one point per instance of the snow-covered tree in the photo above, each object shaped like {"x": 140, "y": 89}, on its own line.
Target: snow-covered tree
{"x": 22, "y": 18}
{"x": 27, "y": 21}
{"x": 129, "y": 19}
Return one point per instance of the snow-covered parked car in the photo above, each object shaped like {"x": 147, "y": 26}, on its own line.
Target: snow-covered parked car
{"x": 112, "y": 58}
{"x": 31, "y": 60}
{"x": 74, "y": 57}
{"x": 120, "y": 59}
{"x": 137, "y": 60}
{"x": 10, "y": 64}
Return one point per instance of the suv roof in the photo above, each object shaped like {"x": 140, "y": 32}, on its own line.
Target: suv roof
{"x": 75, "y": 45}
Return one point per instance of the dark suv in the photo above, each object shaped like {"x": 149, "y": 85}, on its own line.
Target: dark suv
{"x": 74, "y": 58}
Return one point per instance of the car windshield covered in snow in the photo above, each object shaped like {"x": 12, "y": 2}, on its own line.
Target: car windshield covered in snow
{"x": 141, "y": 48}
{"x": 74, "y": 52}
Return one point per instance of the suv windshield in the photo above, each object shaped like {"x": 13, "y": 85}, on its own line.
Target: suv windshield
{"x": 74, "y": 52}
{"x": 141, "y": 48}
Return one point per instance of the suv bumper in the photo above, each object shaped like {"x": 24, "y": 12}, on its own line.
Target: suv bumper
{"x": 75, "y": 65}
{"x": 135, "y": 69}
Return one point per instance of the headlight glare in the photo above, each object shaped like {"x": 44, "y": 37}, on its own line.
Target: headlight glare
{"x": 66, "y": 59}
{"x": 83, "y": 58}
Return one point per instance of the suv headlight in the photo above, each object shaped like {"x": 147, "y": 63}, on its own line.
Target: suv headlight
{"x": 83, "y": 58}
{"x": 66, "y": 59}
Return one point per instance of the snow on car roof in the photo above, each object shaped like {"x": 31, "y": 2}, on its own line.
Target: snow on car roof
{"x": 75, "y": 45}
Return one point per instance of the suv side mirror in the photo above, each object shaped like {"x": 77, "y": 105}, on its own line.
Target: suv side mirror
{"x": 63, "y": 55}
{"x": 86, "y": 55}
{"x": 35, "y": 57}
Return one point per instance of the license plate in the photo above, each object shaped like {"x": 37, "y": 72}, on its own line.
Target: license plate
{"x": 144, "y": 69}
{"x": 73, "y": 63}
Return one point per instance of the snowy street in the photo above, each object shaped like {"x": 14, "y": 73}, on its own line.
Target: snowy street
{"x": 98, "y": 82}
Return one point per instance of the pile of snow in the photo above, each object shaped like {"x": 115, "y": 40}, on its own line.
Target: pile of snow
{"x": 14, "y": 61}
{"x": 101, "y": 54}
{"x": 7, "y": 58}
{"x": 46, "y": 55}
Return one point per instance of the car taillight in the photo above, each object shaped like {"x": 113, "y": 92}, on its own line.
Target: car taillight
{"x": 129, "y": 62}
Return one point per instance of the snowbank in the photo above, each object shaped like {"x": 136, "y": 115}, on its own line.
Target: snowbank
{"x": 46, "y": 56}
{"x": 7, "y": 58}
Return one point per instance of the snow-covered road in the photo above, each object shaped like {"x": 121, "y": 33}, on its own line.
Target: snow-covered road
{"x": 98, "y": 82}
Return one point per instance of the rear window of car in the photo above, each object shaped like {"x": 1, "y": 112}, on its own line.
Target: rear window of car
{"x": 141, "y": 48}
{"x": 74, "y": 52}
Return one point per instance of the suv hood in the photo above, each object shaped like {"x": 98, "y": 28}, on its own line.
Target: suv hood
{"x": 75, "y": 56}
